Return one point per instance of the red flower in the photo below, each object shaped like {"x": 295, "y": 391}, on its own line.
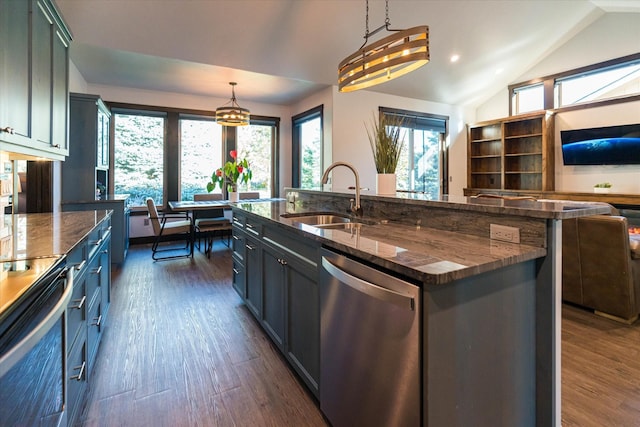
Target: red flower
{"x": 219, "y": 172}
{"x": 233, "y": 154}
{"x": 239, "y": 168}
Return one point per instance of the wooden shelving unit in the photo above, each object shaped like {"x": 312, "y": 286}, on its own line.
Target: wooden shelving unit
{"x": 515, "y": 153}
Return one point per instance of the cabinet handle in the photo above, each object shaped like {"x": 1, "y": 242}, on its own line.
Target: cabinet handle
{"x": 106, "y": 251}
{"x": 81, "y": 265}
{"x": 97, "y": 242}
{"x": 97, "y": 270}
{"x": 79, "y": 376}
{"x": 97, "y": 320}
{"x": 235, "y": 271}
{"x": 235, "y": 238}
{"x": 56, "y": 146}
{"x": 8, "y": 130}
{"x": 249, "y": 247}
{"x": 80, "y": 302}
{"x": 282, "y": 261}
{"x": 249, "y": 225}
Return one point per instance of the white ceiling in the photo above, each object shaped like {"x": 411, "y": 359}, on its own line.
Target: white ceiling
{"x": 280, "y": 51}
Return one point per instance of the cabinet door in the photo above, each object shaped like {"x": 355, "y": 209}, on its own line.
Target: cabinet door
{"x": 254, "y": 277}
{"x": 59, "y": 94}
{"x": 303, "y": 322}
{"x": 273, "y": 267}
{"x": 42, "y": 36}
{"x": 102, "y": 148}
{"x": 14, "y": 66}
{"x": 239, "y": 278}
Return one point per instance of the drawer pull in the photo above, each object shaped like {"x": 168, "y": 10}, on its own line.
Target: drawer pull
{"x": 81, "y": 265}
{"x": 8, "y": 130}
{"x": 282, "y": 261}
{"x": 106, "y": 251}
{"x": 81, "y": 373}
{"x": 79, "y": 302}
{"x": 97, "y": 270}
{"x": 96, "y": 321}
{"x": 235, "y": 271}
{"x": 236, "y": 238}
{"x": 97, "y": 242}
{"x": 249, "y": 225}
{"x": 249, "y": 247}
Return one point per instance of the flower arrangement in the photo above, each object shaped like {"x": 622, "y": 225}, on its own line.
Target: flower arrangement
{"x": 386, "y": 145}
{"x": 230, "y": 174}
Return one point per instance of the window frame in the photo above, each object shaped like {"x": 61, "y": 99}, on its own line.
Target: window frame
{"x": 172, "y": 159}
{"x": 296, "y": 122}
{"x": 444, "y": 148}
{"x": 550, "y": 81}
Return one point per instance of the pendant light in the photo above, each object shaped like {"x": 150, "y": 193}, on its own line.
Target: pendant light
{"x": 390, "y": 57}
{"x": 231, "y": 114}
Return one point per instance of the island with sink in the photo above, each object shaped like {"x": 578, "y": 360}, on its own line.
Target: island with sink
{"x": 477, "y": 344}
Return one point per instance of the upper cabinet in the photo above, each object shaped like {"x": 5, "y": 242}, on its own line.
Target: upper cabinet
{"x": 86, "y": 169}
{"x": 515, "y": 153}
{"x": 34, "y": 79}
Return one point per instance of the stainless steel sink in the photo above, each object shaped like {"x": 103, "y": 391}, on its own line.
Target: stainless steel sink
{"x": 347, "y": 226}
{"x": 318, "y": 219}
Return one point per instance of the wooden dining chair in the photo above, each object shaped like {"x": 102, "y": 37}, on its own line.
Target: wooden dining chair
{"x": 169, "y": 226}
{"x": 210, "y": 222}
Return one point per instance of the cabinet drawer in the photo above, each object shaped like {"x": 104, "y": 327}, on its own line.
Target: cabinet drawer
{"x": 303, "y": 249}
{"x": 94, "y": 329}
{"x": 76, "y": 310}
{"x": 94, "y": 271}
{"x": 76, "y": 377}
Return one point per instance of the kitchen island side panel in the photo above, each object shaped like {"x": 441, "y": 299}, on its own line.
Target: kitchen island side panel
{"x": 479, "y": 342}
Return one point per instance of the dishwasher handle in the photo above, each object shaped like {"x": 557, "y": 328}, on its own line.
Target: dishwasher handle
{"x": 373, "y": 290}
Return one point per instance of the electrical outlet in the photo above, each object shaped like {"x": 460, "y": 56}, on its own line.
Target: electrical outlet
{"x": 146, "y": 222}
{"x": 504, "y": 233}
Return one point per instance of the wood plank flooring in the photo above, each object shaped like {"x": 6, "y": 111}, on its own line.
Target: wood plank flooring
{"x": 180, "y": 349}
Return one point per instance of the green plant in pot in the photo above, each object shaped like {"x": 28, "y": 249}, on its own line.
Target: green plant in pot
{"x": 386, "y": 146}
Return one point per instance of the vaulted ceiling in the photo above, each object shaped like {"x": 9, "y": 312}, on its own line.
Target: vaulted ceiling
{"x": 280, "y": 51}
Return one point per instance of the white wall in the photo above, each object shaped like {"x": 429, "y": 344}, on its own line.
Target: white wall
{"x": 612, "y": 36}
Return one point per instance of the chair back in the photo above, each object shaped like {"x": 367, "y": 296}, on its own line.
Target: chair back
{"x": 153, "y": 216}
{"x": 249, "y": 195}
{"x": 207, "y": 197}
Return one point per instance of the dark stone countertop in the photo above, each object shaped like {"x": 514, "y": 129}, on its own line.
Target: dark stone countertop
{"x": 430, "y": 255}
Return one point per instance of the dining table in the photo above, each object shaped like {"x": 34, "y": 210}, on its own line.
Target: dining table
{"x": 190, "y": 205}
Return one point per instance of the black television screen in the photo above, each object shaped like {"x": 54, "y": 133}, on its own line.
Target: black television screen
{"x": 612, "y": 145}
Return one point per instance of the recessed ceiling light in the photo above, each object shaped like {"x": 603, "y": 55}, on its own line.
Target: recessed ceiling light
{"x": 455, "y": 57}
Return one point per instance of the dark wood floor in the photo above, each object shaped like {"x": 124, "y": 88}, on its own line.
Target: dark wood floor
{"x": 180, "y": 349}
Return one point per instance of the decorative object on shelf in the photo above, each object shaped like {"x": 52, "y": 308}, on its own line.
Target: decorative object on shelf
{"x": 386, "y": 146}
{"x": 231, "y": 114}
{"x": 231, "y": 174}
{"x": 603, "y": 187}
{"x": 390, "y": 57}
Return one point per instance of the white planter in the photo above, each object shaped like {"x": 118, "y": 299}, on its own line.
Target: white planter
{"x": 234, "y": 196}
{"x": 601, "y": 190}
{"x": 386, "y": 183}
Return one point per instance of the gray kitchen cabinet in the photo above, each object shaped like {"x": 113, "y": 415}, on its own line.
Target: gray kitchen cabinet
{"x": 86, "y": 312}
{"x": 34, "y": 49}
{"x": 273, "y": 288}
{"x": 87, "y": 167}
{"x": 278, "y": 272}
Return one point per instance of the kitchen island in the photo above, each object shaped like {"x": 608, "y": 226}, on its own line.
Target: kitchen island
{"x": 490, "y": 310}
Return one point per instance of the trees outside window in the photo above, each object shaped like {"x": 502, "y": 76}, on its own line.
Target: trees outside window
{"x": 307, "y": 148}
{"x": 200, "y": 153}
{"x": 139, "y": 154}
{"x": 255, "y": 143}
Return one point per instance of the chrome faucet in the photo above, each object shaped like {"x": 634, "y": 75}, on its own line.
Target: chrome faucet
{"x": 355, "y": 209}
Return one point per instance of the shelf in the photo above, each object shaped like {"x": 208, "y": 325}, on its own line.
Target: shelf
{"x": 486, "y": 140}
{"x": 486, "y": 173}
{"x": 536, "y": 153}
{"x": 522, "y": 172}
{"x": 530, "y": 135}
{"x": 489, "y": 156}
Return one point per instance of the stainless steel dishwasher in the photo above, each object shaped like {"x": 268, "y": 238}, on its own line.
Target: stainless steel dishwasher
{"x": 369, "y": 345}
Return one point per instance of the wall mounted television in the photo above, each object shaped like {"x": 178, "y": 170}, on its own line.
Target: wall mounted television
{"x": 611, "y": 145}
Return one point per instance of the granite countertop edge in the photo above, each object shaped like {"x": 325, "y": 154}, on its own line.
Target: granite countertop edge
{"x": 430, "y": 256}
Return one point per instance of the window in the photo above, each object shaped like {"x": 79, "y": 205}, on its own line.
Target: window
{"x": 139, "y": 156}
{"x": 423, "y": 161}
{"x": 597, "y": 85}
{"x": 528, "y": 98}
{"x": 257, "y": 142}
{"x": 611, "y": 81}
{"x": 307, "y": 148}
{"x": 200, "y": 153}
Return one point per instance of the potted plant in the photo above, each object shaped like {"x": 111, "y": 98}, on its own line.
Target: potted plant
{"x": 603, "y": 187}
{"x": 232, "y": 173}
{"x": 386, "y": 146}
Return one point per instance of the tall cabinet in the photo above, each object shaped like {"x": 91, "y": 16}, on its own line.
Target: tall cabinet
{"x": 515, "y": 153}
{"x": 85, "y": 173}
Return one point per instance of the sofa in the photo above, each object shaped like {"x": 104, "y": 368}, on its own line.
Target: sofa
{"x": 601, "y": 266}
